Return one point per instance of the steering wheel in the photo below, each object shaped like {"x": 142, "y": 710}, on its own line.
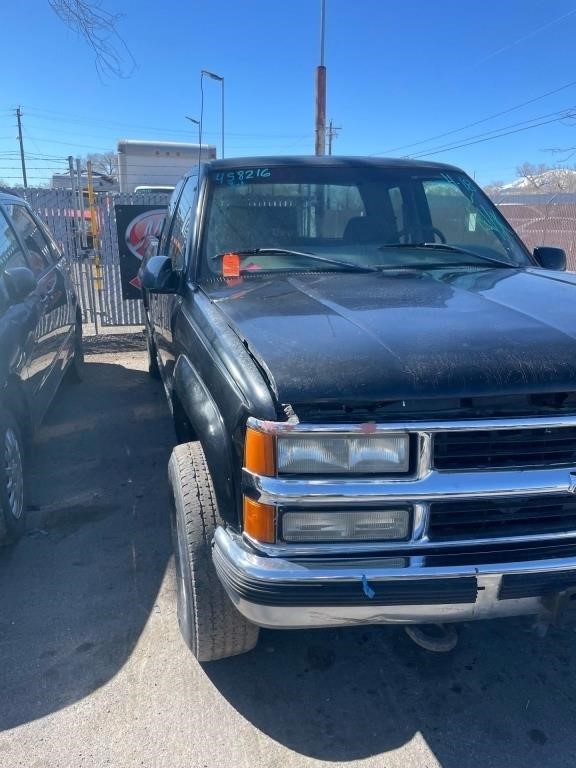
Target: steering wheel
{"x": 435, "y": 231}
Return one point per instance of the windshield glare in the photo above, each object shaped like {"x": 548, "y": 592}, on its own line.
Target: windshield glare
{"x": 348, "y": 214}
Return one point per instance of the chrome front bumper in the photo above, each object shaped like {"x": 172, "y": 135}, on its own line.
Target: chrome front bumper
{"x": 292, "y": 594}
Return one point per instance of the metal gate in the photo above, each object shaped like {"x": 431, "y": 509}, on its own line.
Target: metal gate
{"x": 96, "y": 272}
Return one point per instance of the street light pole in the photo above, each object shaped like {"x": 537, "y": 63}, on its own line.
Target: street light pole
{"x": 196, "y": 122}
{"x": 220, "y": 79}
{"x": 199, "y": 124}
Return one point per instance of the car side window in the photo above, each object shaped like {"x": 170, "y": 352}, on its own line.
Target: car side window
{"x": 180, "y": 224}
{"x": 55, "y": 250}
{"x": 38, "y": 247}
{"x": 11, "y": 254}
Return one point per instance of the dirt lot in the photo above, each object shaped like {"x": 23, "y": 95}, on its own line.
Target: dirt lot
{"x": 93, "y": 671}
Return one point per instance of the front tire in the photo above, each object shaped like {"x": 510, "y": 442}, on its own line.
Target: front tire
{"x": 12, "y": 476}
{"x": 153, "y": 367}
{"x": 209, "y": 622}
{"x": 76, "y": 367}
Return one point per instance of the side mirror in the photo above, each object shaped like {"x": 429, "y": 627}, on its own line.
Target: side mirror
{"x": 157, "y": 275}
{"x": 551, "y": 258}
{"x": 20, "y": 283}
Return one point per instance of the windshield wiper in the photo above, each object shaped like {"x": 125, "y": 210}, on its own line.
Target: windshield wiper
{"x": 300, "y": 254}
{"x": 447, "y": 247}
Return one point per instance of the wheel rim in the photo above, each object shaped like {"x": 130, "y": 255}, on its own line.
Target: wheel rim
{"x": 13, "y": 471}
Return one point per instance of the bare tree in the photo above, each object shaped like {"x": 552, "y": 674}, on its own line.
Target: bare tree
{"x": 565, "y": 178}
{"x": 549, "y": 178}
{"x": 533, "y": 173}
{"x": 99, "y": 28}
{"x": 104, "y": 162}
{"x": 493, "y": 188}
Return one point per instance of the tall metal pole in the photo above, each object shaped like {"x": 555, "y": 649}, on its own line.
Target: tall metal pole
{"x": 83, "y": 242}
{"x": 196, "y": 122}
{"x": 320, "y": 126}
{"x": 23, "y": 161}
{"x": 222, "y": 83}
{"x": 201, "y": 124}
{"x": 96, "y": 281}
{"x": 220, "y": 79}
{"x": 74, "y": 199}
{"x": 322, "y": 17}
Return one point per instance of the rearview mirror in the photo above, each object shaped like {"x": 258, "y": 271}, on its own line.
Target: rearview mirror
{"x": 20, "y": 283}
{"x": 551, "y": 258}
{"x": 157, "y": 275}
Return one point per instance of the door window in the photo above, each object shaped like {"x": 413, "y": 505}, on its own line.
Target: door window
{"x": 180, "y": 225}
{"x": 37, "y": 245}
{"x": 11, "y": 254}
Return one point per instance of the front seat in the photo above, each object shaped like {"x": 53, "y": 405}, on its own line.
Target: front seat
{"x": 361, "y": 230}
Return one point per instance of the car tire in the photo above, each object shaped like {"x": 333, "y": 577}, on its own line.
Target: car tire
{"x": 76, "y": 367}
{"x": 12, "y": 479}
{"x": 153, "y": 367}
{"x": 209, "y": 622}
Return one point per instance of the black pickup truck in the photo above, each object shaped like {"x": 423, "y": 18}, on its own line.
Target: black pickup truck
{"x": 374, "y": 386}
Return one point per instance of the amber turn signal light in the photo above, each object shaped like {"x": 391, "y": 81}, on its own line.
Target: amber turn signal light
{"x": 259, "y": 521}
{"x": 259, "y": 453}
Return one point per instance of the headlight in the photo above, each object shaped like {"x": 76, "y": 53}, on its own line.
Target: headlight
{"x": 370, "y": 525}
{"x": 341, "y": 454}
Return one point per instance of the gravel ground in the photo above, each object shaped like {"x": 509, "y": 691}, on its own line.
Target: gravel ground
{"x": 93, "y": 671}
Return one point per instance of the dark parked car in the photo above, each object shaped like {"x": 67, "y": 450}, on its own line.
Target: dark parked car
{"x": 40, "y": 340}
{"x": 374, "y": 383}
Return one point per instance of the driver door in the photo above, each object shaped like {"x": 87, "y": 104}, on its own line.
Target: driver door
{"x": 175, "y": 246}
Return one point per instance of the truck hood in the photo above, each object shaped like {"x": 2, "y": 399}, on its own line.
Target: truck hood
{"x": 407, "y": 334}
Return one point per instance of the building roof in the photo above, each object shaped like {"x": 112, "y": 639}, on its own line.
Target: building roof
{"x": 161, "y": 144}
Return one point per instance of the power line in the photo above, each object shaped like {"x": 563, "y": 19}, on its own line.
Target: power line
{"x": 130, "y": 126}
{"x": 561, "y": 114}
{"x": 479, "y": 122}
{"x": 526, "y": 36}
{"x": 439, "y": 150}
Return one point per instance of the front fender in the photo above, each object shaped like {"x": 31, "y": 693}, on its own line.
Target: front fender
{"x": 208, "y": 425}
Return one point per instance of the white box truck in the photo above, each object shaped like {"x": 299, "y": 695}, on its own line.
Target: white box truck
{"x": 157, "y": 163}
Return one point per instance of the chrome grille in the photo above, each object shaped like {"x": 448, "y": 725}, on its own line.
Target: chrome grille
{"x": 506, "y": 448}
{"x": 471, "y": 520}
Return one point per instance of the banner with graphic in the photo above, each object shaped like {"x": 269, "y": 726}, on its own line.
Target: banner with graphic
{"x": 139, "y": 228}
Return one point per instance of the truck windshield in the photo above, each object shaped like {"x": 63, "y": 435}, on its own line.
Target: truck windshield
{"x": 369, "y": 216}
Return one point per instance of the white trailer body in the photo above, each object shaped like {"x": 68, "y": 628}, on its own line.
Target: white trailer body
{"x": 157, "y": 163}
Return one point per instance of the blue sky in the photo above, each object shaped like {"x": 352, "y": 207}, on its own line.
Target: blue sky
{"x": 399, "y": 74}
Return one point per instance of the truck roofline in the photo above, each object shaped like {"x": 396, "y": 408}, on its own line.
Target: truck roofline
{"x": 331, "y": 161}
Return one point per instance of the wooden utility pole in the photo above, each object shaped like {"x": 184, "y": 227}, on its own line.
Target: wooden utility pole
{"x": 332, "y": 134}
{"x": 23, "y": 161}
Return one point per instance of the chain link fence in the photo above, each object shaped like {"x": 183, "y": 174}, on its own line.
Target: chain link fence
{"x": 543, "y": 220}
{"x": 96, "y": 272}
{"x": 538, "y": 219}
